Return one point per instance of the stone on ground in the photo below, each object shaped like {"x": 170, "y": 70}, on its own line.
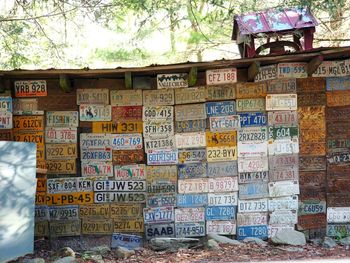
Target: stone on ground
{"x": 345, "y": 241}
{"x": 172, "y": 244}
{"x": 328, "y": 242}
{"x": 66, "y": 260}
{"x": 101, "y": 250}
{"x": 212, "y": 244}
{"x": 63, "y": 252}
{"x": 122, "y": 252}
{"x": 223, "y": 239}
{"x": 255, "y": 240}
{"x": 34, "y": 260}
{"x": 289, "y": 237}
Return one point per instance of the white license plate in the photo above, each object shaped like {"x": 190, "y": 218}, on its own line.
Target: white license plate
{"x": 283, "y": 146}
{"x": 87, "y": 155}
{"x": 219, "y": 169}
{"x": 282, "y": 161}
{"x": 158, "y": 129}
{"x": 190, "y": 95}
{"x": 252, "y": 149}
{"x": 190, "y": 112}
{"x": 266, "y": 73}
{"x": 283, "y": 203}
{"x": 126, "y": 197}
{"x": 283, "y": 188}
{"x": 130, "y": 172}
{"x": 223, "y": 199}
{"x": 281, "y": 102}
{"x": 68, "y": 185}
{"x": 192, "y": 186}
{"x": 256, "y": 205}
{"x": 61, "y": 135}
{"x": 252, "y": 134}
{"x": 253, "y": 190}
{"x": 311, "y": 207}
{"x": 162, "y": 157}
{"x": 158, "y": 214}
{"x": 223, "y": 184}
{"x": 62, "y": 119}
{"x": 190, "y": 140}
{"x": 221, "y": 76}
{"x": 283, "y": 218}
{"x": 274, "y": 229}
{"x": 158, "y": 97}
{"x": 190, "y": 214}
{"x": 281, "y": 118}
{"x": 98, "y": 141}
{"x": 157, "y": 113}
{"x": 192, "y": 155}
{"x": 126, "y": 97}
{"x": 70, "y": 212}
{"x": 159, "y": 143}
{"x": 224, "y": 123}
{"x": 252, "y": 164}
{"x": 292, "y": 70}
{"x": 251, "y": 219}
{"x": 96, "y": 169}
{"x": 338, "y": 214}
{"x": 221, "y": 227}
{"x": 92, "y": 112}
{"x": 119, "y": 186}
{"x": 126, "y": 141}
{"x": 93, "y": 96}
{"x": 253, "y": 177}
{"x": 218, "y": 154}
{"x": 285, "y": 173}
{"x": 172, "y": 81}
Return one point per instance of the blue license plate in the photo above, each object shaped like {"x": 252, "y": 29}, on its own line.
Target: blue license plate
{"x": 220, "y": 212}
{"x": 222, "y": 108}
{"x": 222, "y": 169}
{"x": 252, "y": 119}
{"x": 253, "y": 190}
{"x": 161, "y": 200}
{"x": 191, "y": 126}
{"x": 338, "y": 83}
{"x": 126, "y": 240}
{"x": 192, "y": 170}
{"x": 252, "y": 231}
{"x": 192, "y": 200}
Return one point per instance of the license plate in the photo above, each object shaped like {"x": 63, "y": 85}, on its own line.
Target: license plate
{"x": 221, "y": 76}
{"x": 223, "y": 184}
{"x": 95, "y": 112}
{"x": 251, "y": 219}
{"x": 158, "y": 129}
{"x": 192, "y": 155}
{"x": 221, "y": 92}
{"x": 158, "y": 113}
{"x": 159, "y": 143}
{"x": 191, "y": 126}
{"x": 282, "y": 161}
{"x": 292, "y": 70}
{"x": 252, "y": 164}
{"x": 65, "y": 228}
{"x": 246, "y": 90}
{"x": 162, "y": 157}
{"x": 273, "y": 229}
{"x": 221, "y": 108}
{"x": 338, "y": 83}
{"x": 223, "y": 199}
{"x": 134, "y": 225}
{"x": 130, "y": 172}
{"x": 66, "y": 119}
{"x": 190, "y": 140}
{"x": 282, "y": 86}
{"x": 96, "y": 169}
{"x": 126, "y": 113}
{"x": 283, "y": 146}
{"x": 23, "y": 105}
{"x": 166, "y": 172}
{"x": 313, "y": 178}
{"x": 119, "y": 127}
{"x": 158, "y": 215}
{"x": 190, "y": 229}
{"x": 64, "y": 212}
{"x": 122, "y": 157}
{"x": 6, "y": 135}
{"x": 41, "y": 184}
{"x": 222, "y": 169}
{"x": 61, "y": 135}
{"x": 224, "y": 123}
{"x": 40, "y": 198}
{"x": 191, "y": 214}
{"x": 312, "y": 163}
{"x": 41, "y": 213}
{"x": 93, "y": 96}
{"x": 191, "y": 200}
{"x": 283, "y": 174}
{"x": 190, "y": 95}
{"x": 339, "y": 158}
{"x": 94, "y": 211}
{"x": 96, "y": 155}
{"x": 168, "y": 199}
{"x": 283, "y": 188}
{"x": 281, "y": 102}
{"x": 107, "y": 197}
{"x": 158, "y": 97}
{"x": 36, "y": 137}
{"x": 283, "y": 118}
{"x": 159, "y": 230}
{"x": 221, "y": 138}
{"x": 96, "y": 141}
{"x": 313, "y": 148}
{"x": 266, "y": 73}
{"x": 161, "y": 187}
{"x": 338, "y": 98}
{"x": 220, "y": 212}
{"x": 61, "y": 166}
{"x": 218, "y": 154}
{"x": 30, "y": 88}
{"x": 251, "y": 119}
{"x": 283, "y": 203}
{"x": 190, "y": 112}
{"x": 252, "y": 134}
{"x": 252, "y": 149}
{"x": 126, "y": 97}
{"x": 311, "y": 207}
{"x": 95, "y": 226}
{"x": 61, "y": 151}
{"x": 119, "y": 186}
{"x": 257, "y": 205}
{"x": 253, "y": 177}
{"x": 126, "y": 211}
{"x": 70, "y": 198}
{"x": 315, "y": 221}
{"x": 277, "y": 133}
{"x": 189, "y": 186}
{"x": 259, "y": 231}
{"x": 126, "y": 141}
{"x": 338, "y": 145}
{"x": 22, "y": 123}
{"x": 250, "y": 104}
{"x": 309, "y": 99}
{"x": 283, "y": 218}
{"x": 192, "y": 170}
{"x": 253, "y": 190}
{"x": 334, "y": 230}
{"x": 338, "y": 214}
{"x": 328, "y": 69}
{"x": 221, "y": 227}
{"x": 67, "y": 185}
{"x": 175, "y": 80}
{"x": 126, "y": 240}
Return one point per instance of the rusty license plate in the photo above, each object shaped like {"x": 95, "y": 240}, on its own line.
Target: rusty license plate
{"x": 257, "y": 104}
{"x": 32, "y": 123}
{"x": 126, "y": 97}
{"x": 312, "y": 178}
{"x": 190, "y": 112}
{"x": 338, "y": 98}
{"x": 221, "y": 92}
{"x": 281, "y": 86}
{"x": 283, "y": 118}
{"x": 284, "y": 160}
{"x": 61, "y": 151}
{"x": 94, "y": 211}
{"x": 65, "y": 228}
{"x": 158, "y": 97}
{"x": 317, "y": 85}
{"x": 61, "y": 166}
{"x": 312, "y": 163}
{"x": 248, "y": 90}
{"x": 96, "y": 226}
{"x": 92, "y": 96}
{"x": 312, "y": 221}
{"x": 121, "y": 157}
{"x": 190, "y": 95}
{"x": 126, "y": 113}
{"x": 311, "y": 99}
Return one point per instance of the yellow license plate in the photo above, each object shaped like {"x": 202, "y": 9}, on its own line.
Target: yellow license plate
{"x": 36, "y": 137}
{"x": 135, "y": 225}
{"x": 41, "y": 185}
{"x": 40, "y": 198}
{"x": 65, "y": 228}
{"x": 40, "y": 154}
{"x": 31, "y": 123}
{"x": 92, "y": 227}
{"x": 95, "y": 211}
{"x": 216, "y": 139}
{"x": 61, "y": 151}
{"x": 130, "y": 127}
{"x": 41, "y": 228}
{"x": 61, "y": 166}
{"x": 125, "y": 211}
{"x": 78, "y": 198}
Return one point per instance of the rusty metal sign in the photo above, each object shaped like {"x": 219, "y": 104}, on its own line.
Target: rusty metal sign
{"x": 221, "y": 138}
{"x": 121, "y": 157}
{"x": 338, "y": 128}
{"x": 158, "y": 97}
{"x": 287, "y": 173}
{"x": 338, "y": 199}
{"x": 281, "y": 86}
{"x": 41, "y": 228}
{"x": 95, "y": 211}
{"x": 312, "y": 135}
{"x": 338, "y": 145}
{"x": 6, "y": 134}
{"x": 292, "y": 70}
{"x": 221, "y": 92}
{"x": 221, "y": 76}
{"x": 308, "y": 193}
{"x": 190, "y": 112}
{"x": 65, "y": 228}
{"x": 339, "y": 158}
{"x": 283, "y": 188}
{"x": 61, "y": 166}
{"x": 93, "y": 96}
{"x": 338, "y": 98}
{"x": 338, "y": 185}
{"x": 66, "y": 119}
{"x": 311, "y": 113}
{"x": 97, "y": 227}
{"x": 312, "y": 163}
{"x": 277, "y": 102}
{"x": 36, "y": 137}
{"x": 338, "y": 113}
{"x": 190, "y": 126}
{"x": 284, "y": 160}
{"x": 190, "y": 95}
{"x": 40, "y": 198}
{"x": 30, "y": 88}
{"x": 41, "y": 184}
{"x": 248, "y": 90}
{"x": 175, "y": 80}
{"x": 250, "y": 104}
{"x": 311, "y": 99}
{"x": 126, "y": 113}
{"x": 126, "y": 97}
{"x": 162, "y": 173}
{"x": 312, "y": 221}
{"x": 313, "y": 148}
{"x": 312, "y": 178}
{"x": 61, "y": 151}
{"x": 126, "y": 211}
{"x": 316, "y": 85}
{"x": 60, "y": 135}
{"x": 283, "y": 118}
{"x": 266, "y": 73}
{"x": 328, "y": 69}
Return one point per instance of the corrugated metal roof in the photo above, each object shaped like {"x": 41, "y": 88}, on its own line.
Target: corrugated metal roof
{"x": 274, "y": 20}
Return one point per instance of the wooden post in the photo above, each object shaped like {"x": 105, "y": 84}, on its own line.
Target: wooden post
{"x": 313, "y": 65}
{"x": 128, "y": 80}
{"x": 65, "y": 83}
{"x": 192, "y": 76}
{"x": 253, "y": 70}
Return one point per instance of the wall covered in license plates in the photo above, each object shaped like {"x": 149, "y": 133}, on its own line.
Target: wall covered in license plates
{"x": 167, "y": 159}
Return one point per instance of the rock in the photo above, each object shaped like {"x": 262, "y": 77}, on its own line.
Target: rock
{"x": 289, "y": 237}
{"x": 328, "y": 242}
{"x": 316, "y": 241}
{"x": 34, "y": 260}
{"x": 63, "y": 252}
{"x": 212, "y": 244}
{"x": 291, "y": 249}
{"x": 122, "y": 252}
{"x": 255, "y": 240}
{"x": 224, "y": 240}
{"x": 345, "y": 241}
{"x": 101, "y": 250}
{"x": 66, "y": 260}
{"x": 172, "y": 244}
{"x": 97, "y": 258}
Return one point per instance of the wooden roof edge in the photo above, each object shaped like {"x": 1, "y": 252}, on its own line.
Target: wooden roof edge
{"x": 181, "y": 67}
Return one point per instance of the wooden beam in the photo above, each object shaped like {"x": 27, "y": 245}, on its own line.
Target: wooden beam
{"x": 253, "y": 70}
{"x": 2, "y": 85}
{"x": 313, "y": 65}
{"x": 192, "y": 76}
{"x": 65, "y": 83}
{"x": 128, "y": 80}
